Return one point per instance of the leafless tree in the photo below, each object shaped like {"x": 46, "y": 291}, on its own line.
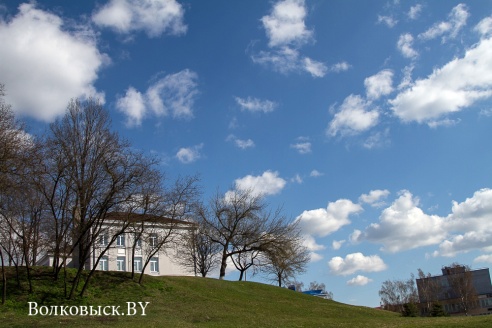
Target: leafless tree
{"x": 461, "y": 284}
{"x": 177, "y": 205}
{"x": 245, "y": 260}
{"x": 429, "y": 289}
{"x": 396, "y": 293}
{"x": 96, "y": 171}
{"x": 284, "y": 261}
{"x": 240, "y": 222}
{"x": 196, "y": 252}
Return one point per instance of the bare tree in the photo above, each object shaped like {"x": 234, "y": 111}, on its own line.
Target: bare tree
{"x": 287, "y": 259}
{"x": 461, "y": 284}
{"x": 97, "y": 171}
{"x": 239, "y": 222}
{"x": 244, "y": 260}
{"x": 396, "y": 293}
{"x": 196, "y": 252}
{"x": 429, "y": 289}
{"x": 178, "y": 203}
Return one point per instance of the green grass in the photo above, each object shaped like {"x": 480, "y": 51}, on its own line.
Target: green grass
{"x": 202, "y": 302}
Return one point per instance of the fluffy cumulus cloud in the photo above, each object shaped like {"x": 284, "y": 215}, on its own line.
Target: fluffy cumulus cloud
{"x": 340, "y": 67}
{"x": 252, "y": 104}
{"x": 285, "y": 24}
{"x": 61, "y": 62}
{"x": 287, "y": 32}
{"x": 155, "y": 17}
{"x": 405, "y": 43}
{"x": 353, "y": 117}
{"x": 324, "y": 221}
{"x": 483, "y": 259}
{"x": 380, "y": 84}
{"x": 356, "y": 262}
{"x": 469, "y": 225}
{"x": 173, "y": 94}
{"x": 359, "y": 281}
{"x": 455, "y": 86}
{"x": 189, "y": 155}
{"x": 374, "y": 197}
{"x": 450, "y": 28}
{"x": 310, "y": 243}
{"x": 404, "y": 226}
{"x": 269, "y": 183}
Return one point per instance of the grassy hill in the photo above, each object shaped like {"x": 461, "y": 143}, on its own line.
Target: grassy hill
{"x": 202, "y": 302}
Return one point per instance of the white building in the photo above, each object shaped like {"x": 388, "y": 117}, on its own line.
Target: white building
{"x": 145, "y": 238}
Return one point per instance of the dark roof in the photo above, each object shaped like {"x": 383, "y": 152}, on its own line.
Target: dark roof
{"x": 151, "y": 218}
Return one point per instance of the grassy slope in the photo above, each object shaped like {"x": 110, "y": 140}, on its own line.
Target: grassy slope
{"x": 191, "y": 302}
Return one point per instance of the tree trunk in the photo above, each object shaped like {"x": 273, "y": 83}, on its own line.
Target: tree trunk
{"x": 223, "y": 264}
{"x": 241, "y": 275}
{"x": 4, "y": 280}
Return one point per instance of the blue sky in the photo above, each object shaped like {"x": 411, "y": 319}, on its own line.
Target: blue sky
{"x": 368, "y": 121}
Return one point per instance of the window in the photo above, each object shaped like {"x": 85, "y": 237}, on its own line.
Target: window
{"x": 103, "y": 263}
{"x": 103, "y": 239}
{"x": 153, "y": 239}
{"x": 120, "y": 240}
{"x": 154, "y": 264}
{"x": 137, "y": 264}
{"x": 138, "y": 242}
{"x": 120, "y": 263}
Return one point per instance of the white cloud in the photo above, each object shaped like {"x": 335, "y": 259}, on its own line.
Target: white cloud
{"x": 173, "y": 94}
{"x": 404, "y": 226}
{"x": 310, "y": 243}
{"x": 356, "y": 262}
{"x": 353, "y": 117}
{"x": 471, "y": 221}
{"x": 340, "y": 67}
{"x": 297, "y": 179}
{"x": 315, "y": 174}
{"x": 316, "y": 68}
{"x": 155, "y": 17}
{"x": 355, "y": 236}
{"x": 190, "y": 154}
{"x": 483, "y": 259}
{"x": 374, "y": 197}
{"x": 380, "y": 84}
{"x": 321, "y": 222}
{"x": 484, "y": 27}
{"x": 45, "y": 58}
{"x": 450, "y": 28}
{"x": 269, "y": 183}
{"x": 287, "y": 32}
{"x": 415, "y": 11}
{"x": 286, "y": 60}
{"x": 337, "y": 244}
{"x": 285, "y": 24}
{"x": 133, "y": 106}
{"x": 359, "y": 281}
{"x": 303, "y": 147}
{"x": 377, "y": 139}
{"x": 404, "y": 44}
{"x": 457, "y": 85}
{"x": 388, "y": 20}
{"x": 240, "y": 143}
{"x": 256, "y": 105}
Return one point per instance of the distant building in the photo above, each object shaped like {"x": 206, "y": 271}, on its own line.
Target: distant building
{"x": 443, "y": 289}
{"x": 118, "y": 257}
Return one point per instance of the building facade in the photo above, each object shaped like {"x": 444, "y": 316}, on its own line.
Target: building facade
{"x": 458, "y": 290}
{"x": 125, "y": 242}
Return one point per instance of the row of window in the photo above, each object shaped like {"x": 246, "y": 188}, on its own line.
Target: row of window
{"x": 137, "y": 264}
{"x": 120, "y": 240}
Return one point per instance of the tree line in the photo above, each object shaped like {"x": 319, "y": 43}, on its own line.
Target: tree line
{"x": 58, "y": 191}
